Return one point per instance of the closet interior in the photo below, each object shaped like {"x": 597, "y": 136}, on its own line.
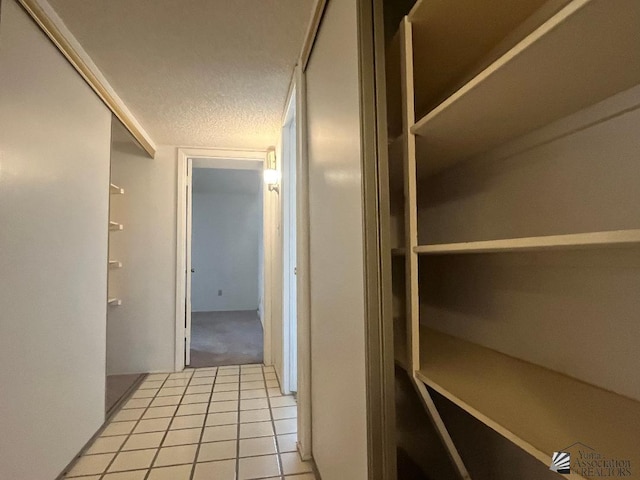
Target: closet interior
{"x": 515, "y": 221}
{"x": 118, "y": 384}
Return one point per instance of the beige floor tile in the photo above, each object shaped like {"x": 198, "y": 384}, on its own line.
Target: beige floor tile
{"x": 118, "y": 428}
{"x": 288, "y": 425}
{"x": 180, "y": 472}
{"x": 160, "y": 412}
{"x": 254, "y": 404}
{"x": 304, "y": 476}
{"x": 218, "y": 434}
{"x": 227, "y": 379}
{"x": 195, "y": 398}
{"x": 287, "y": 401}
{"x": 259, "y": 429}
{"x": 249, "y": 394}
{"x": 192, "y": 409}
{"x": 137, "y": 403}
{"x": 201, "y": 381}
{"x": 164, "y": 401}
{"x": 280, "y": 413}
{"x": 251, "y": 447}
{"x": 291, "y": 464}
{"x": 184, "y": 374}
{"x": 145, "y": 393}
{"x": 106, "y": 445}
{"x": 128, "y": 415}
{"x": 152, "y": 425}
{"x": 287, "y": 443}
{"x": 143, "y": 441}
{"x": 258, "y": 467}
{"x": 176, "y": 455}
{"x": 251, "y": 385}
{"x": 221, "y": 470}
{"x": 91, "y": 464}
{"x": 177, "y": 382}
{"x": 135, "y": 475}
{"x": 224, "y": 396}
{"x": 220, "y": 407}
{"x": 217, "y": 451}
{"x": 147, "y": 384}
{"x": 275, "y": 392}
{"x": 226, "y": 387}
{"x": 272, "y": 384}
{"x": 250, "y": 416}
{"x": 182, "y": 437}
{"x": 158, "y": 376}
{"x": 136, "y": 460}
{"x": 251, "y": 377}
{"x": 198, "y": 389}
{"x": 171, "y": 391}
{"x": 188, "y": 421}
{"x": 229, "y": 370}
{"x": 205, "y": 373}
{"x": 227, "y": 418}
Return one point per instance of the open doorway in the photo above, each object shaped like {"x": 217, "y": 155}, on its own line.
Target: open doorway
{"x": 226, "y": 239}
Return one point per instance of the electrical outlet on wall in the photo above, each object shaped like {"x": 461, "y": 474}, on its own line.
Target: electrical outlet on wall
{"x": 219, "y": 293}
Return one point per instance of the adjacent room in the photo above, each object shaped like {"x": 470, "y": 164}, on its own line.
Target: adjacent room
{"x": 226, "y": 264}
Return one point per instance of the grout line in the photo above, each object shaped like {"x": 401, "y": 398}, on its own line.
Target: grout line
{"x": 166, "y": 432}
{"x": 204, "y": 425}
{"x": 237, "y": 475}
{"x": 273, "y": 426}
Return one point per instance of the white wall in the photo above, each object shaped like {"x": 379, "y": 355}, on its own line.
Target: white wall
{"x": 141, "y": 332}
{"x": 226, "y": 233}
{"x": 54, "y": 180}
{"x": 336, "y": 248}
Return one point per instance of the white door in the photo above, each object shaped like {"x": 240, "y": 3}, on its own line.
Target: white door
{"x": 188, "y": 269}
{"x": 290, "y": 303}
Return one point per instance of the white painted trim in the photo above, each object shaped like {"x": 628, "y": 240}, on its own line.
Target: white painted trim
{"x": 303, "y": 277}
{"x": 208, "y": 158}
{"x": 312, "y": 32}
{"x": 53, "y": 26}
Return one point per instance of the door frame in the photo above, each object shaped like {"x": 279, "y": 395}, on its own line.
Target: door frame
{"x": 209, "y": 158}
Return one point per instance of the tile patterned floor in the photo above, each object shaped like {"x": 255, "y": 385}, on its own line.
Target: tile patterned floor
{"x": 225, "y": 423}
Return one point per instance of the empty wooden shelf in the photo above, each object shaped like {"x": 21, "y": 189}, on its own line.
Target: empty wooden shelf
{"x": 115, "y": 264}
{"x": 114, "y": 301}
{"x": 618, "y": 238}
{"x": 583, "y": 54}
{"x": 540, "y": 410}
{"x": 115, "y": 226}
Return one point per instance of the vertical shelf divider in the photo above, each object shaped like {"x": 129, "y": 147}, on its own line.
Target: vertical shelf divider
{"x": 411, "y": 241}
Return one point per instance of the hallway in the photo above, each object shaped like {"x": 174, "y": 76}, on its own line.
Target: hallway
{"x": 201, "y": 424}
{"x": 225, "y": 338}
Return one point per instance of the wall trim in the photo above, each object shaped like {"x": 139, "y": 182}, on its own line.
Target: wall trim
{"x": 53, "y": 26}
{"x": 312, "y": 31}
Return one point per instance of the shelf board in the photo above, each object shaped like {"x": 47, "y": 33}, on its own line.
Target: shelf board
{"x": 114, "y": 301}
{"x": 540, "y": 410}
{"x": 586, "y": 52}
{"x": 113, "y": 226}
{"x": 610, "y": 239}
{"x": 396, "y": 165}
{"x": 115, "y": 264}
{"x": 398, "y": 252}
{"x": 115, "y": 190}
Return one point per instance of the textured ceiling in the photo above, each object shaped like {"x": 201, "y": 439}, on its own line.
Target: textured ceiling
{"x": 216, "y": 180}
{"x": 211, "y": 73}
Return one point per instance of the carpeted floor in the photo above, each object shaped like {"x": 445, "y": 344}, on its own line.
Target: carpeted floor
{"x": 225, "y": 338}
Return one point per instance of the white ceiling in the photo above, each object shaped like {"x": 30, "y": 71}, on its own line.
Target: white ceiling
{"x": 202, "y": 73}
{"x": 217, "y": 180}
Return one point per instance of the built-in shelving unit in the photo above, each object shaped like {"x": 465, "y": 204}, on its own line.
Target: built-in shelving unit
{"x": 536, "y": 104}
{"x": 114, "y": 302}
{"x": 115, "y": 190}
